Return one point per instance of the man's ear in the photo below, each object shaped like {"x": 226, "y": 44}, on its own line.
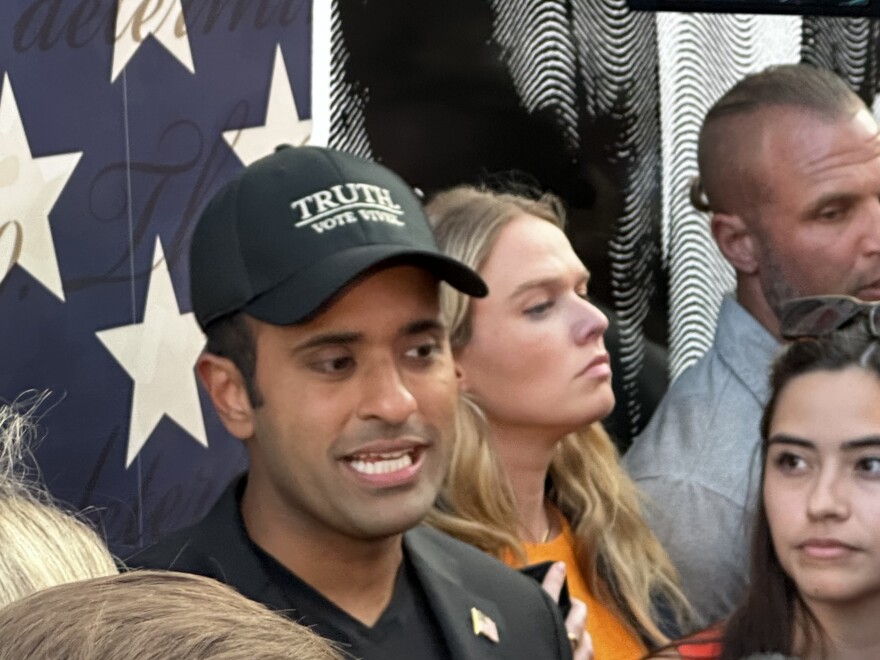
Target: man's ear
{"x": 225, "y": 385}
{"x": 737, "y": 242}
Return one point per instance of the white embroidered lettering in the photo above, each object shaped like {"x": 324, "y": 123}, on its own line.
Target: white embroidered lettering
{"x": 324, "y": 201}
{"x": 337, "y": 193}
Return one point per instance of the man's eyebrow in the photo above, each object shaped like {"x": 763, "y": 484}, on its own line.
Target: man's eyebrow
{"x": 328, "y": 339}
{"x": 830, "y": 198}
{"x": 422, "y": 326}
{"x": 348, "y": 338}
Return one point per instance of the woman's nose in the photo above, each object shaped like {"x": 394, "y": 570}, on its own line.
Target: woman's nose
{"x": 590, "y": 323}
{"x": 827, "y": 498}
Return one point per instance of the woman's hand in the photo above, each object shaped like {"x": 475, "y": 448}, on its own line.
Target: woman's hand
{"x": 575, "y": 622}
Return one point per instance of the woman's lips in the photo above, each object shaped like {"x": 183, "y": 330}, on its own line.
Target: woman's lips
{"x": 598, "y": 367}
{"x": 822, "y": 548}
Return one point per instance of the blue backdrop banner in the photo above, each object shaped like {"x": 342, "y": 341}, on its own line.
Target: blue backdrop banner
{"x": 118, "y": 120}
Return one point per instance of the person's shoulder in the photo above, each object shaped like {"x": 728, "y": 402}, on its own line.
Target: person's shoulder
{"x": 215, "y": 540}
{"x": 478, "y": 572}
{"x": 683, "y": 401}
{"x": 673, "y": 436}
{"x": 178, "y": 551}
{"x": 702, "y": 412}
{"x": 470, "y": 562}
{"x": 532, "y": 622}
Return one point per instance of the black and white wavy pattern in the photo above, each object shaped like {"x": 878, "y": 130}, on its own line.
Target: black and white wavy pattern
{"x": 559, "y": 44}
{"x": 701, "y": 57}
{"x": 618, "y": 62}
{"x": 847, "y": 46}
{"x": 535, "y": 37}
{"x": 654, "y": 75}
{"x": 348, "y": 130}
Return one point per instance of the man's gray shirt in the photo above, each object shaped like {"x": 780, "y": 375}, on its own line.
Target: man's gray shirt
{"x": 698, "y": 462}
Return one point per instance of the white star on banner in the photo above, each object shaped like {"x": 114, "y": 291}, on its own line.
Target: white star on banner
{"x": 159, "y": 355}
{"x": 283, "y": 124}
{"x": 29, "y": 188}
{"x": 137, "y": 19}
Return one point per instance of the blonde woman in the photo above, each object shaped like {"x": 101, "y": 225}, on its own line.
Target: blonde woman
{"x": 534, "y": 475}
{"x": 40, "y": 545}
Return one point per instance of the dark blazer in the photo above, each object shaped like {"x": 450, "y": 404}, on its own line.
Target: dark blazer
{"x": 455, "y": 577}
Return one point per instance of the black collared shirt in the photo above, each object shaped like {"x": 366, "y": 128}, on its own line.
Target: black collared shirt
{"x": 454, "y": 585}
{"x": 406, "y": 629}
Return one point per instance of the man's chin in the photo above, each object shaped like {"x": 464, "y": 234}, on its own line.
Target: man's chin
{"x": 385, "y": 524}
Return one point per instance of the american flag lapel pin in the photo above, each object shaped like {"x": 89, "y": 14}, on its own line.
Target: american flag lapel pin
{"x": 483, "y": 625}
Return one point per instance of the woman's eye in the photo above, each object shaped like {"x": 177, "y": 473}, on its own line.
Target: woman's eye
{"x": 789, "y": 462}
{"x": 869, "y": 465}
{"x": 540, "y": 309}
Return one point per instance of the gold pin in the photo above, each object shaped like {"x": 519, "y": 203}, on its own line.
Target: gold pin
{"x": 483, "y": 625}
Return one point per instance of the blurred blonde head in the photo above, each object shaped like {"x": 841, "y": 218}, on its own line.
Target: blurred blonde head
{"x": 622, "y": 561}
{"x": 42, "y": 545}
{"x": 152, "y": 615}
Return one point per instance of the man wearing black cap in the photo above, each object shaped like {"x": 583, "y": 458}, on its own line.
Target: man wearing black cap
{"x": 314, "y": 276}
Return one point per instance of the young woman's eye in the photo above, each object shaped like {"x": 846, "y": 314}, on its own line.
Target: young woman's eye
{"x": 583, "y": 294}
{"x": 788, "y": 462}
{"x": 869, "y": 465}
{"x": 536, "y": 311}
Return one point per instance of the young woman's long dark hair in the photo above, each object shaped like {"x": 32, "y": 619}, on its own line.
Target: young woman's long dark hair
{"x": 773, "y": 614}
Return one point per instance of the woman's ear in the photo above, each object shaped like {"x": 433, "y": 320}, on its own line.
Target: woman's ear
{"x": 736, "y": 241}
{"x": 226, "y": 387}
{"x": 460, "y": 377}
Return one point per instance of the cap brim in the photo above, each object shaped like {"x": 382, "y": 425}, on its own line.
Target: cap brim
{"x": 306, "y": 292}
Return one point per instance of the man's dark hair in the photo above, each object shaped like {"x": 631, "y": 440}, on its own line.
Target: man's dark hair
{"x": 231, "y": 337}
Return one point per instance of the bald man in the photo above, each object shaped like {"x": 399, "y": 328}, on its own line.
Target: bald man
{"x": 789, "y": 163}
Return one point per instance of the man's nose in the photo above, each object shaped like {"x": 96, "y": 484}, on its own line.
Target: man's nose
{"x": 385, "y": 396}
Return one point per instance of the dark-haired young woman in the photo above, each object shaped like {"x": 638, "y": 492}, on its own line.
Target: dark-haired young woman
{"x": 815, "y": 575}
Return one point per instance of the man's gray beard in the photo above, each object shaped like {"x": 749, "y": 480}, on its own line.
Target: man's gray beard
{"x": 775, "y": 287}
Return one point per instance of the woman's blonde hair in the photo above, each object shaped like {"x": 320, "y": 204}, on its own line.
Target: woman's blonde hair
{"x": 40, "y": 544}
{"x": 623, "y": 563}
{"x": 152, "y": 615}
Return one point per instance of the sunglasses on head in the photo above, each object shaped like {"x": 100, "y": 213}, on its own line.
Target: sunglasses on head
{"x": 816, "y": 316}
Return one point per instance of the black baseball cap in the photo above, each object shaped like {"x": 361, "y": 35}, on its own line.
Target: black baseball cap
{"x": 294, "y": 228}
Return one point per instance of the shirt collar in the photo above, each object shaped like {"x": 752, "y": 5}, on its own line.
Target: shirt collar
{"x": 745, "y": 346}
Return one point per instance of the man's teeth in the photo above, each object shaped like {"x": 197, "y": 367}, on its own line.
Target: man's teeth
{"x": 382, "y": 463}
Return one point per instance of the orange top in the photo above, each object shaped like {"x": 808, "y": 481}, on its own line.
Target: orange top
{"x": 612, "y": 640}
